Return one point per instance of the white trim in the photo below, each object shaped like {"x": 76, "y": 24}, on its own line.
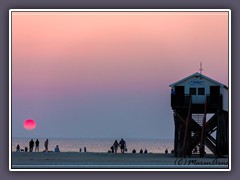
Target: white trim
{"x": 116, "y": 10}
{"x": 197, "y": 74}
{"x": 10, "y": 88}
{"x": 230, "y": 88}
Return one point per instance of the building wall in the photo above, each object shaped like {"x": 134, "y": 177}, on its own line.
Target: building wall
{"x": 198, "y": 82}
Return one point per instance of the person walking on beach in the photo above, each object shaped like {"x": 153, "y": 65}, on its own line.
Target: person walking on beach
{"x": 31, "y": 145}
{"x": 46, "y": 145}
{"x": 112, "y": 149}
{"x": 122, "y": 145}
{"x": 18, "y": 148}
{"x": 115, "y": 146}
{"x": 37, "y": 146}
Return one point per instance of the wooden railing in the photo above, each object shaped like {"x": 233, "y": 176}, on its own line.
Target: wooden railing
{"x": 182, "y": 101}
{"x": 214, "y": 100}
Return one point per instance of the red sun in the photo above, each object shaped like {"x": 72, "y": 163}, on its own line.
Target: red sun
{"x": 29, "y": 124}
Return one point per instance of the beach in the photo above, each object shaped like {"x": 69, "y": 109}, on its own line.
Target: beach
{"x": 89, "y": 160}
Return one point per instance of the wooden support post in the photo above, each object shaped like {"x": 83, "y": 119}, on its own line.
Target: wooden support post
{"x": 203, "y": 136}
{"x": 179, "y": 132}
{"x": 218, "y": 135}
{"x": 222, "y": 133}
{"x": 186, "y": 133}
{"x": 176, "y": 134}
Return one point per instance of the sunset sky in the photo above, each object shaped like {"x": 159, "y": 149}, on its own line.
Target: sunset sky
{"x": 107, "y": 74}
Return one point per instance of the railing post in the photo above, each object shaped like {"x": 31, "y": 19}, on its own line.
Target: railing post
{"x": 202, "y": 144}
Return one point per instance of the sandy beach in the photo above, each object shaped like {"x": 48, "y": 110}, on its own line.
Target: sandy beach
{"x": 75, "y": 160}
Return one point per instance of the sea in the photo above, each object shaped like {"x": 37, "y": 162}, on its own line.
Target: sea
{"x": 97, "y": 145}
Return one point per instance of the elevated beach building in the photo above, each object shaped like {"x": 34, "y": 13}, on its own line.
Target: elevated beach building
{"x": 200, "y": 106}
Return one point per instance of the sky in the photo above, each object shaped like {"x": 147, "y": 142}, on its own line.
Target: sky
{"x": 107, "y": 74}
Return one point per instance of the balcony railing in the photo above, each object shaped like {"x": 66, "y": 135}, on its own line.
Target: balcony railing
{"x": 214, "y": 100}
{"x": 179, "y": 101}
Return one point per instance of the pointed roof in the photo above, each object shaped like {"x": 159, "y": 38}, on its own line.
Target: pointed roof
{"x": 198, "y": 74}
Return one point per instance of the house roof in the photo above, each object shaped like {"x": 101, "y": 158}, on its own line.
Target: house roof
{"x": 198, "y": 74}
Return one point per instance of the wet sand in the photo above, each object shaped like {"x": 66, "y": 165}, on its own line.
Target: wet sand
{"x": 76, "y": 160}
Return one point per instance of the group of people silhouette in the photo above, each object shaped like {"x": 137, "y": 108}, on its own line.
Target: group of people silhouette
{"x": 84, "y": 149}
{"x": 123, "y": 147}
{"x": 31, "y": 146}
{"x": 114, "y": 148}
{"x": 36, "y": 144}
{"x": 141, "y": 151}
{"x": 121, "y": 144}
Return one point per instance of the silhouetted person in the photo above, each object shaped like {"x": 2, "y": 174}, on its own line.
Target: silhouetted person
{"x": 145, "y": 152}
{"x": 37, "y": 146}
{"x": 26, "y": 149}
{"x": 122, "y": 145}
{"x": 141, "y": 151}
{"x": 112, "y": 149}
{"x": 57, "y": 149}
{"x": 85, "y": 149}
{"x": 80, "y": 150}
{"x": 31, "y": 145}
{"x": 18, "y": 148}
{"x": 115, "y": 146}
{"x": 166, "y": 151}
{"x": 172, "y": 151}
{"x": 134, "y": 151}
{"x": 46, "y": 145}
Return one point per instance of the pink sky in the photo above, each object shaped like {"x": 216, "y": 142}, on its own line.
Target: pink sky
{"x": 67, "y": 55}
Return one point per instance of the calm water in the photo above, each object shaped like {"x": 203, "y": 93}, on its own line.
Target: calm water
{"x": 97, "y": 145}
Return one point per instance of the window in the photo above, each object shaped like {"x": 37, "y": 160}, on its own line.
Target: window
{"x": 193, "y": 91}
{"x": 201, "y": 91}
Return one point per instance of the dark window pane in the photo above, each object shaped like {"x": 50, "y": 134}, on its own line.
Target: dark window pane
{"x": 201, "y": 91}
{"x": 193, "y": 91}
